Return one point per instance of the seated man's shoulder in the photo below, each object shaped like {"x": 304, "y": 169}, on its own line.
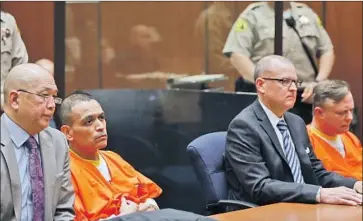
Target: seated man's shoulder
{"x": 114, "y": 156}
{"x": 353, "y": 138}
{"x": 55, "y": 136}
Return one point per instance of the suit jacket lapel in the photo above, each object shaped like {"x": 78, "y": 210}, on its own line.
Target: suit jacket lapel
{"x": 266, "y": 125}
{"x": 7, "y": 149}
{"x": 48, "y": 171}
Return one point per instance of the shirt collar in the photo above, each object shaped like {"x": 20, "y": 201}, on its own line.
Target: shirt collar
{"x": 17, "y": 134}
{"x": 270, "y": 115}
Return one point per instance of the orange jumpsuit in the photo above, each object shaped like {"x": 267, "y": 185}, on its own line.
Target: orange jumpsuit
{"x": 96, "y": 198}
{"x": 348, "y": 166}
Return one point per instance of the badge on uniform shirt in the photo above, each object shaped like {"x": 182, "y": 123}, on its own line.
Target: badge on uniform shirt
{"x": 240, "y": 25}
{"x": 304, "y": 20}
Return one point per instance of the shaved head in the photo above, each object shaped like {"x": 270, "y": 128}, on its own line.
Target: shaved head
{"x": 24, "y": 76}
{"x": 29, "y": 93}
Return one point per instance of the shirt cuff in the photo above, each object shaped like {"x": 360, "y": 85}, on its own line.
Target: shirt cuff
{"x": 318, "y": 195}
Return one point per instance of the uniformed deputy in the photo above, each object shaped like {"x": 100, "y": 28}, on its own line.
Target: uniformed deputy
{"x": 252, "y": 37}
{"x": 13, "y": 51}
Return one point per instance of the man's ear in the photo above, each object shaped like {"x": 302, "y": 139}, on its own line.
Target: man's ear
{"x": 67, "y": 131}
{"x": 13, "y": 99}
{"x": 318, "y": 112}
{"x": 260, "y": 85}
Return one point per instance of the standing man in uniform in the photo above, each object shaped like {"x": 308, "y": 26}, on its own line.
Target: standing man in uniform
{"x": 13, "y": 51}
{"x": 252, "y": 38}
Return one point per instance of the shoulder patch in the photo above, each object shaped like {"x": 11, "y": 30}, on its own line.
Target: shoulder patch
{"x": 318, "y": 21}
{"x": 240, "y": 25}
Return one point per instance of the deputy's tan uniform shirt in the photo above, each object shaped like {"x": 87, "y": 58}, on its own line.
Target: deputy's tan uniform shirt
{"x": 253, "y": 35}
{"x": 13, "y": 51}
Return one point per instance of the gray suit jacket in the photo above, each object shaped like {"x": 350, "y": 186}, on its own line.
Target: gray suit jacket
{"x": 59, "y": 195}
{"x": 257, "y": 169}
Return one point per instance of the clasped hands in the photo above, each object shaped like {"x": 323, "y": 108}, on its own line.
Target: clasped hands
{"x": 128, "y": 206}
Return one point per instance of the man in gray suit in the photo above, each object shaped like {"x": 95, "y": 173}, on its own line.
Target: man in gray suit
{"x": 35, "y": 175}
{"x": 269, "y": 158}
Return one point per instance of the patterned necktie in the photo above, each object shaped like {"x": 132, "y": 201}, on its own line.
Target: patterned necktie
{"x": 36, "y": 179}
{"x": 290, "y": 152}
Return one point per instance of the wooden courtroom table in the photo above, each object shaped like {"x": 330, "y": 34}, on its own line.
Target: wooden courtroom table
{"x": 294, "y": 212}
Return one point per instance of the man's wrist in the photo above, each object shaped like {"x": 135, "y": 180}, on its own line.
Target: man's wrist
{"x": 318, "y": 195}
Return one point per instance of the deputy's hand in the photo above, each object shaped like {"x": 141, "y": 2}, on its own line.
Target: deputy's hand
{"x": 307, "y": 95}
{"x": 127, "y": 206}
{"x": 358, "y": 187}
{"x": 340, "y": 195}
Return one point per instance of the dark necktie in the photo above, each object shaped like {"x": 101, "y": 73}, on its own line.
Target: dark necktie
{"x": 36, "y": 179}
{"x": 290, "y": 152}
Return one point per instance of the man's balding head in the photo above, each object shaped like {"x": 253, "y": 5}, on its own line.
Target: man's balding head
{"x": 24, "y": 76}
{"x": 29, "y": 97}
{"x": 276, "y": 83}
{"x": 271, "y": 64}
{"x": 47, "y": 65}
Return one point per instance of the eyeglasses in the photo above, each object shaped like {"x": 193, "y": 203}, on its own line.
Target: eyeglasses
{"x": 57, "y": 100}
{"x": 286, "y": 82}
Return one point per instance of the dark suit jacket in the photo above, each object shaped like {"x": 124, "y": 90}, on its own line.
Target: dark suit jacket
{"x": 256, "y": 167}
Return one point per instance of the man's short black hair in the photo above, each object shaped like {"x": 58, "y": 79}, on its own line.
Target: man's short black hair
{"x": 69, "y": 102}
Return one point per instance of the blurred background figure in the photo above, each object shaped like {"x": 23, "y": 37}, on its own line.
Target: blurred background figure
{"x": 140, "y": 56}
{"x": 13, "y": 50}
{"x": 49, "y": 66}
{"x": 213, "y": 25}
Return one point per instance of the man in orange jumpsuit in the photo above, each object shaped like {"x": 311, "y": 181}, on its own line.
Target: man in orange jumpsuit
{"x": 333, "y": 143}
{"x": 105, "y": 185}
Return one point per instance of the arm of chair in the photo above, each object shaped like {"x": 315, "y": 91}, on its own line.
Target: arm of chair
{"x": 236, "y": 203}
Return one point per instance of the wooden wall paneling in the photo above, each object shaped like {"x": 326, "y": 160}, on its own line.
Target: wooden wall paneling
{"x": 344, "y": 25}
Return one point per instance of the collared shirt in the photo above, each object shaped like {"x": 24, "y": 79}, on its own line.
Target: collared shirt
{"x": 19, "y": 136}
{"x": 274, "y": 120}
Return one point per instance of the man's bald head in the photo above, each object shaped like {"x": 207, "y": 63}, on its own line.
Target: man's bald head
{"x": 24, "y": 76}
{"x": 46, "y": 64}
{"x": 272, "y": 64}
{"x": 30, "y": 93}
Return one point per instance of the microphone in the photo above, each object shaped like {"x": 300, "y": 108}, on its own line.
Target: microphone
{"x": 291, "y": 22}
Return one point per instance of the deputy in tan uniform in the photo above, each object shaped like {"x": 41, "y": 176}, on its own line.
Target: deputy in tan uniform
{"x": 252, "y": 37}
{"x": 13, "y": 51}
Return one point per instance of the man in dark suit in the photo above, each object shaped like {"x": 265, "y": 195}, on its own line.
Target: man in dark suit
{"x": 268, "y": 155}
